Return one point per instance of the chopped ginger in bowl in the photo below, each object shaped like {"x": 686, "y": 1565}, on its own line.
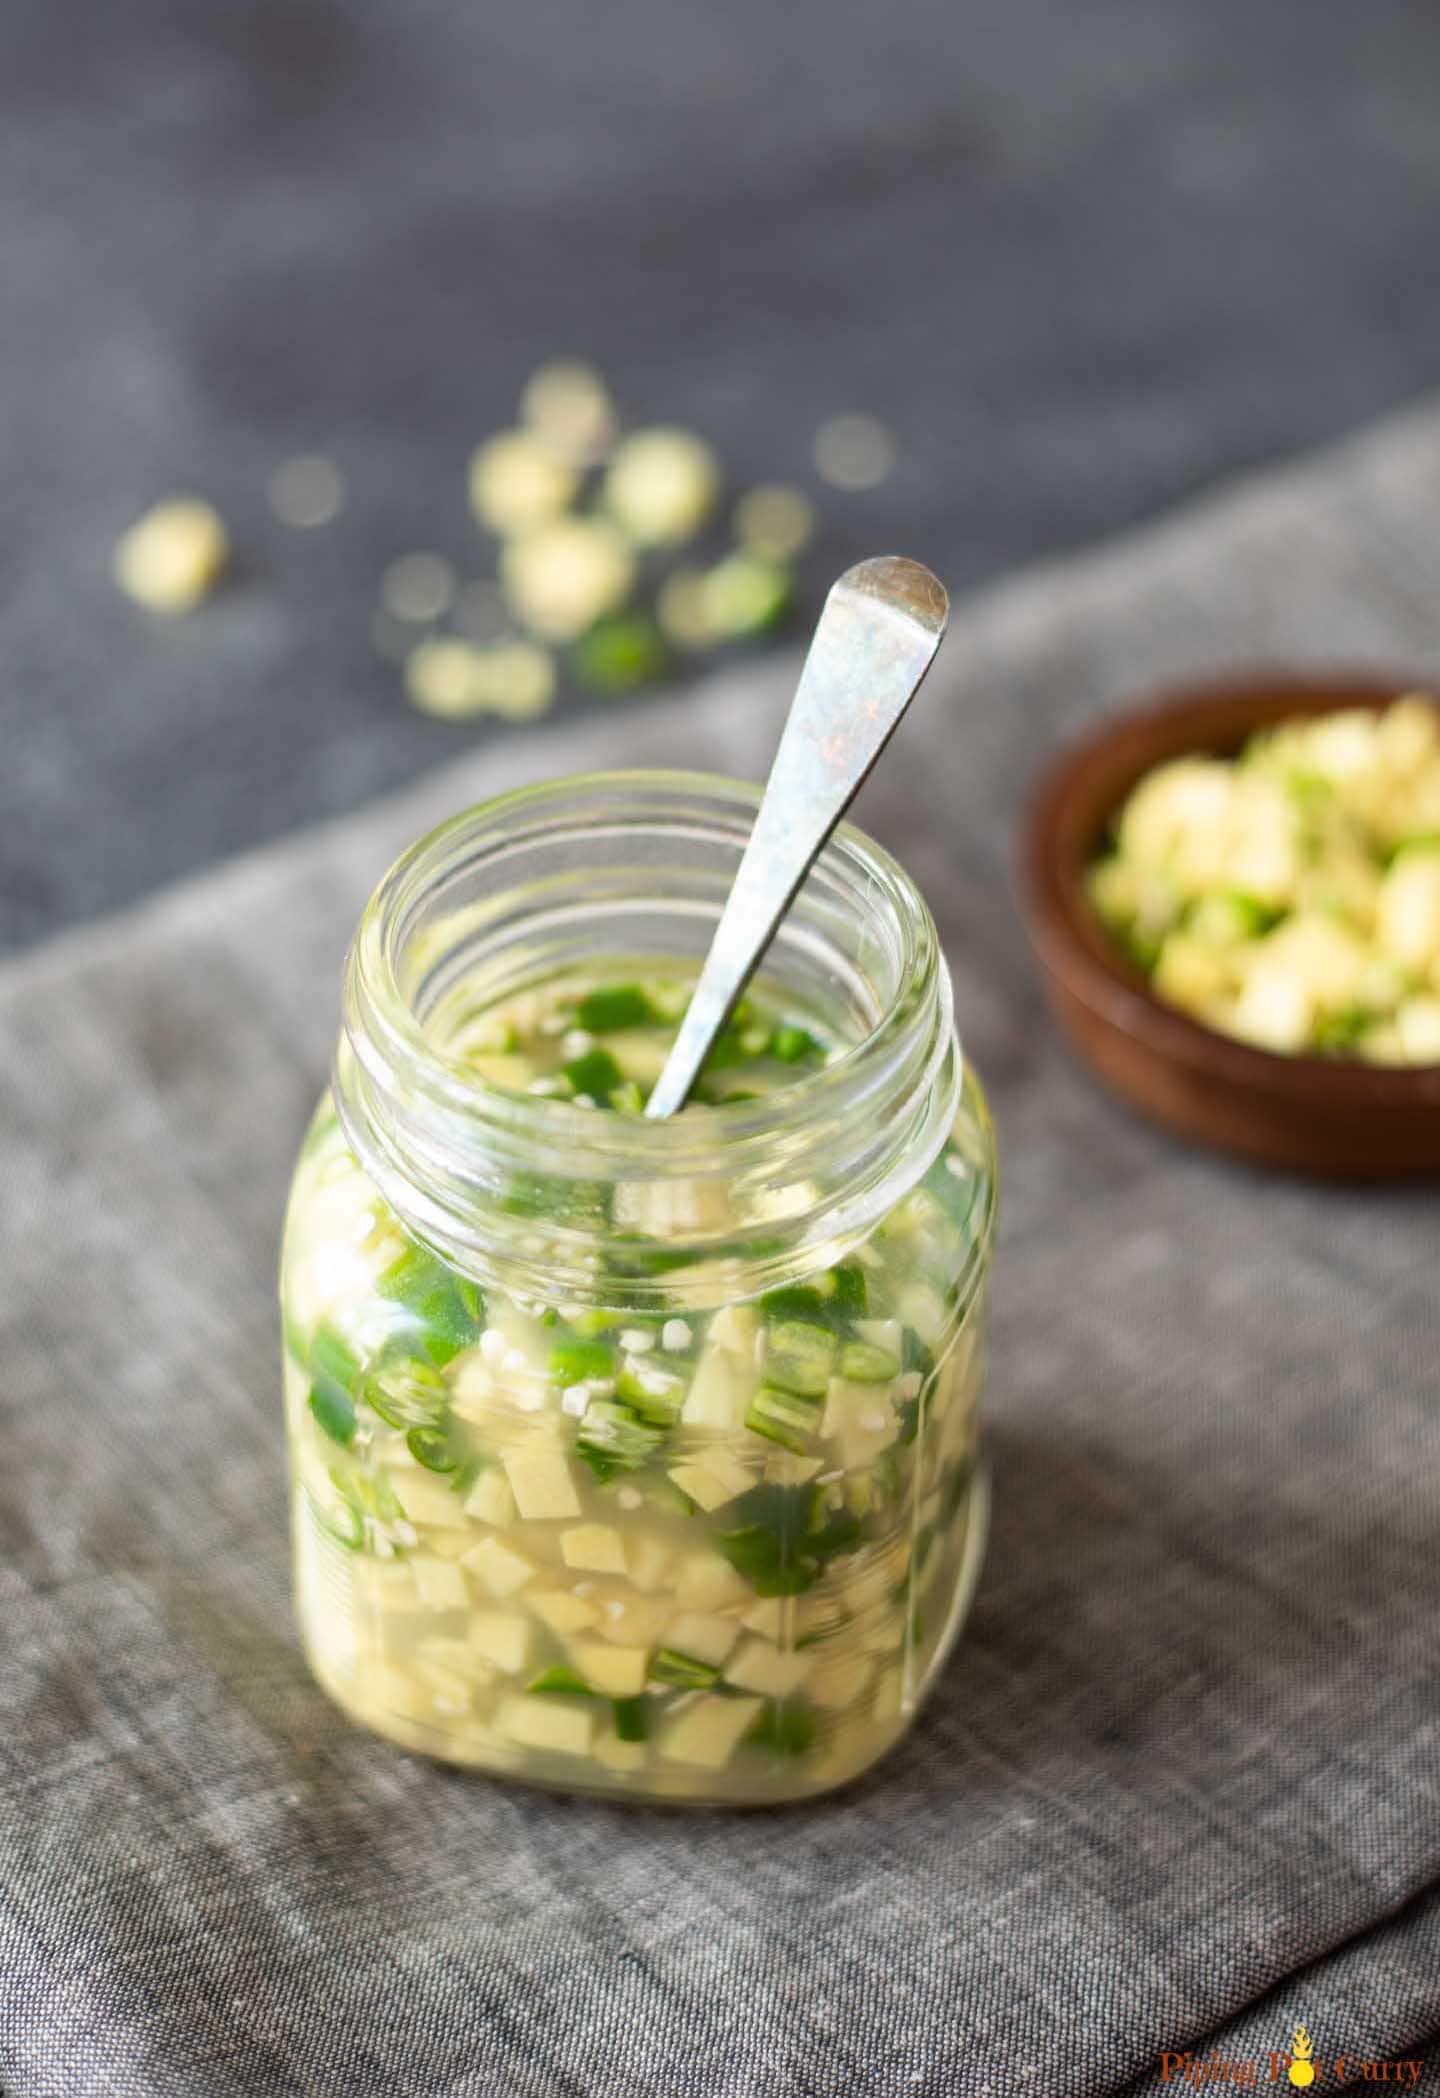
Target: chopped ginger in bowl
{"x": 1290, "y": 896}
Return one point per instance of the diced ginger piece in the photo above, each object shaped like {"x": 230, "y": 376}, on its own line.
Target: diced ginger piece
{"x": 545, "y": 1722}
{"x": 173, "y": 557}
{"x": 707, "y": 1733}
{"x": 540, "y": 1481}
{"x": 450, "y": 1653}
{"x": 563, "y": 575}
{"x": 394, "y": 1635}
{"x": 789, "y": 1468}
{"x": 593, "y": 1548}
{"x": 426, "y": 1500}
{"x": 674, "y": 1209}
{"x": 661, "y": 484}
{"x": 734, "y": 1328}
{"x": 859, "y": 1422}
{"x": 1382, "y": 984}
{"x": 769, "y": 1618}
{"x": 1275, "y": 1010}
{"x": 926, "y": 1310}
{"x": 615, "y": 1754}
{"x": 514, "y": 1073}
{"x": 1408, "y": 918}
{"x": 490, "y": 1500}
{"x": 650, "y": 1560}
{"x": 382, "y": 1586}
{"x": 1418, "y": 1025}
{"x": 392, "y": 1692}
{"x": 705, "y": 1581}
{"x": 516, "y": 482}
{"x": 616, "y": 1671}
{"x": 472, "y": 1385}
{"x": 712, "y": 1479}
{"x": 885, "y": 1334}
{"x": 701, "y": 1637}
{"x": 720, "y": 1390}
{"x": 1407, "y": 732}
{"x": 1192, "y": 976}
{"x": 840, "y": 1680}
{"x": 567, "y": 406}
{"x": 818, "y": 1617}
{"x": 527, "y": 1342}
{"x": 332, "y": 1635}
{"x": 1321, "y": 953}
{"x": 503, "y": 1637}
{"x": 562, "y": 1611}
{"x": 499, "y": 1569}
{"x": 1381, "y": 1045}
{"x": 636, "y": 1620}
{"x": 867, "y": 1587}
{"x": 439, "y": 1583}
{"x": 890, "y": 1694}
{"x": 766, "y": 1668}
{"x": 452, "y": 1692}
{"x": 792, "y": 1198}
{"x": 1212, "y": 825}
{"x": 1343, "y": 746}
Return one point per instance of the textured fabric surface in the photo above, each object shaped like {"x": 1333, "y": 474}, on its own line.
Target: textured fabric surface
{"x": 1180, "y": 1782}
{"x": 1069, "y": 253}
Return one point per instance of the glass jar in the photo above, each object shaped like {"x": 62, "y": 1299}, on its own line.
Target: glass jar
{"x": 727, "y": 1562}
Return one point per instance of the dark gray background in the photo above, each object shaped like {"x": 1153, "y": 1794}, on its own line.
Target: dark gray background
{"x": 1081, "y": 258}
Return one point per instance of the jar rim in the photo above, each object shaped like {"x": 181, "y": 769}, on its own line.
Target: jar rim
{"x": 405, "y": 1102}
{"x": 809, "y": 1093}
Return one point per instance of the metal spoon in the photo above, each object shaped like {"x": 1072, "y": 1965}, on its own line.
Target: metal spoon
{"x": 875, "y": 640}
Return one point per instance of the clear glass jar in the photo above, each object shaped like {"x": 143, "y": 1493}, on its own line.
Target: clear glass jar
{"x": 742, "y": 1592}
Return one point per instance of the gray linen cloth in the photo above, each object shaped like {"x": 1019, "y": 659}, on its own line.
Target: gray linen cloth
{"x": 1179, "y": 1786}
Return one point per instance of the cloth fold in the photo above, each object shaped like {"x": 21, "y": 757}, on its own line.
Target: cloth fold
{"x": 1179, "y": 1785}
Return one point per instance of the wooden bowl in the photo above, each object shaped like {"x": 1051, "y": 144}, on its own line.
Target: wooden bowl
{"x": 1318, "y": 1115}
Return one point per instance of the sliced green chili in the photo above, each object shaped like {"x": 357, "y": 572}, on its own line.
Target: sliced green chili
{"x": 595, "y": 1074}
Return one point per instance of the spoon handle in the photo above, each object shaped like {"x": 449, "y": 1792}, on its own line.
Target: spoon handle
{"x": 876, "y": 638}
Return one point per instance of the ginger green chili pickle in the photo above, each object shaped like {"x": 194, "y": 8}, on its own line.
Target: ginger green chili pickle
{"x": 637, "y": 1457}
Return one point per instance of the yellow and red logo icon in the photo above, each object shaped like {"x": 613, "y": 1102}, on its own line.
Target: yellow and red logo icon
{"x": 1302, "y": 2059}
